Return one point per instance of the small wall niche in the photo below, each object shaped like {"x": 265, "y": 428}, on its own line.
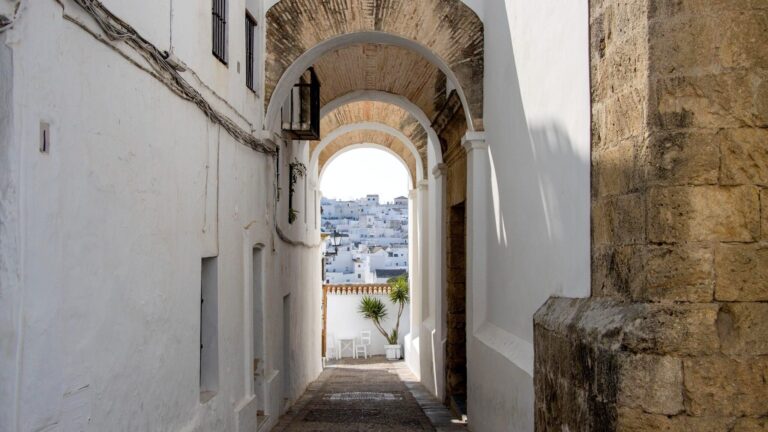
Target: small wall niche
{"x": 209, "y": 329}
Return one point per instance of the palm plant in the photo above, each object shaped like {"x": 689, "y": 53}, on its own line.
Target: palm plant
{"x": 375, "y": 310}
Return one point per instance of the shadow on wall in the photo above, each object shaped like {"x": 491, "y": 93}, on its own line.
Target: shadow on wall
{"x": 537, "y": 127}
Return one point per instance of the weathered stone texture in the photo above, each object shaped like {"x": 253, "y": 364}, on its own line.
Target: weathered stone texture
{"x": 742, "y": 272}
{"x": 702, "y": 213}
{"x": 679, "y": 225}
{"x": 678, "y": 273}
{"x": 745, "y": 157}
{"x": 652, "y": 383}
{"x": 635, "y": 420}
{"x": 764, "y": 213}
{"x": 751, "y": 425}
{"x": 722, "y": 386}
{"x": 743, "y": 329}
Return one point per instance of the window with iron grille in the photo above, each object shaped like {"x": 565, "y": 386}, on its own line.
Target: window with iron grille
{"x": 250, "y": 45}
{"x": 219, "y": 16}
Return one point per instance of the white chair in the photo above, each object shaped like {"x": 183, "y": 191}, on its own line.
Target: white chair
{"x": 365, "y": 342}
{"x": 331, "y": 351}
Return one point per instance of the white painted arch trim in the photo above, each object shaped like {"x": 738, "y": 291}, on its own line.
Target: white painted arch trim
{"x": 392, "y": 99}
{"x": 309, "y": 57}
{"x": 352, "y": 127}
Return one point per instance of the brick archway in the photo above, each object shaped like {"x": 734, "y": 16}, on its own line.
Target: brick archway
{"x": 445, "y": 32}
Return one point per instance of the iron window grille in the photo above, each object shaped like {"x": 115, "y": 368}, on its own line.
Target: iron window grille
{"x": 250, "y": 42}
{"x": 301, "y": 111}
{"x": 219, "y": 16}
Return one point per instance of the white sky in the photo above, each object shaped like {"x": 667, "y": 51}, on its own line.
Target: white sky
{"x": 359, "y": 172}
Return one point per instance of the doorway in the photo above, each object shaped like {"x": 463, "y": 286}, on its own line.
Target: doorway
{"x": 456, "y": 296}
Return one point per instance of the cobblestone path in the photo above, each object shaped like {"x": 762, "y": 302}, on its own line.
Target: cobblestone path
{"x": 367, "y": 395}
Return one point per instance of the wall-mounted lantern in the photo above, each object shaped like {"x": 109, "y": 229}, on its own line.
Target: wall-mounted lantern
{"x": 301, "y": 110}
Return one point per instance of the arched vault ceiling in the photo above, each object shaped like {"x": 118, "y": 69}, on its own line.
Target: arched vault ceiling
{"x": 376, "y": 112}
{"x": 387, "y": 68}
{"x": 447, "y": 28}
{"x": 365, "y": 136}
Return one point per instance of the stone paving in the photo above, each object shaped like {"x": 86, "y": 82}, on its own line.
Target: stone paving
{"x": 367, "y": 395}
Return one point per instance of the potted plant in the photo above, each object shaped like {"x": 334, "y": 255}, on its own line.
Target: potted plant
{"x": 375, "y": 310}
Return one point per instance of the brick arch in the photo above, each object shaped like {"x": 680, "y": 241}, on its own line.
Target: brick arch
{"x": 388, "y": 68}
{"x": 447, "y": 30}
{"x": 377, "y": 112}
{"x": 372, "y": 137}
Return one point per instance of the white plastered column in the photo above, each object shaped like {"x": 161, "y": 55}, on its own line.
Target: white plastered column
{"x": 411, "y": 341}
{"x": 434, "y": 320}
{"x": 478, "y": 196}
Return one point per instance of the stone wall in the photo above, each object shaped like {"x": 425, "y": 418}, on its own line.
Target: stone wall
{"x": 675, "y": 336}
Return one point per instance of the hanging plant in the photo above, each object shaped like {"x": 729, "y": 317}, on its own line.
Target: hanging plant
{"x": 297, "y": 169}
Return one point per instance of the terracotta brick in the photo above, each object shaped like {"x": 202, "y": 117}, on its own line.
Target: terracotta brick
{"x": 295, "y": 26}
{"x": 743, "y": 328}
{"x": 652, "y": 383}
{"x": 373, "y": 137}
{"x": 744, "y": 157}
{"x": 703, "y": 213}
{"x": 722, "y": 386}
{"x": 742, "y": 272}
{"x": 678, "y": 273}
{"x": 376, "y": 112}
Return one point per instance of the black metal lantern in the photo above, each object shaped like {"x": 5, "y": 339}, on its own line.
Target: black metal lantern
{"x": 301, "y": 111}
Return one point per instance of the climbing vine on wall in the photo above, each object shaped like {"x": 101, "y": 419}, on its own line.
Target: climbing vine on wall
{"x": 297, "y": 169}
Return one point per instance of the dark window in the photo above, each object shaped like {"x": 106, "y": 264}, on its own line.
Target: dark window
{"x": 250, "y": 42}
{"x": 220, "y": 30}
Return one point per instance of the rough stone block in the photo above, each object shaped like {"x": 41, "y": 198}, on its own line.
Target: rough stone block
{"x": 635, "y": 420}
{"x": 619, "y": 220}
{"x": 682, "y": 44}
{"x": 678, "y": 273}
{"x": 617, "y": 271}
{"x": 743, "y": 328}
{"x": 652, "y": 383}
{"x": 676, "y": 329}
{"x": 680, "y": 158}
{"x": 613, "y": 170}
{"x": 701, "y": 213}
{"x": 710, "y": 101}
{"x": 751, "y": 425}
{"x": 744, "y": 157}
{"x": 764, "y": 213}
{"x": 742, "y": 272}
{"x": 722, "y": 386}
{"x": 625, "y": 114}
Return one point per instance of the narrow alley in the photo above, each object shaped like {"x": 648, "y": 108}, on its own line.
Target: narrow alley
{"x": 368, "y": 395}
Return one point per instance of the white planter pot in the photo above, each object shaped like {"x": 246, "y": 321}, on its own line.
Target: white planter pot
{"x": 393, "y": 352}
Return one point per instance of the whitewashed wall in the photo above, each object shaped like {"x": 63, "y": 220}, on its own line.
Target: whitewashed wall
{"x": 101, "y": 239}
{"x": 343, "y": 319}
{"x": 536, "y": 117}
